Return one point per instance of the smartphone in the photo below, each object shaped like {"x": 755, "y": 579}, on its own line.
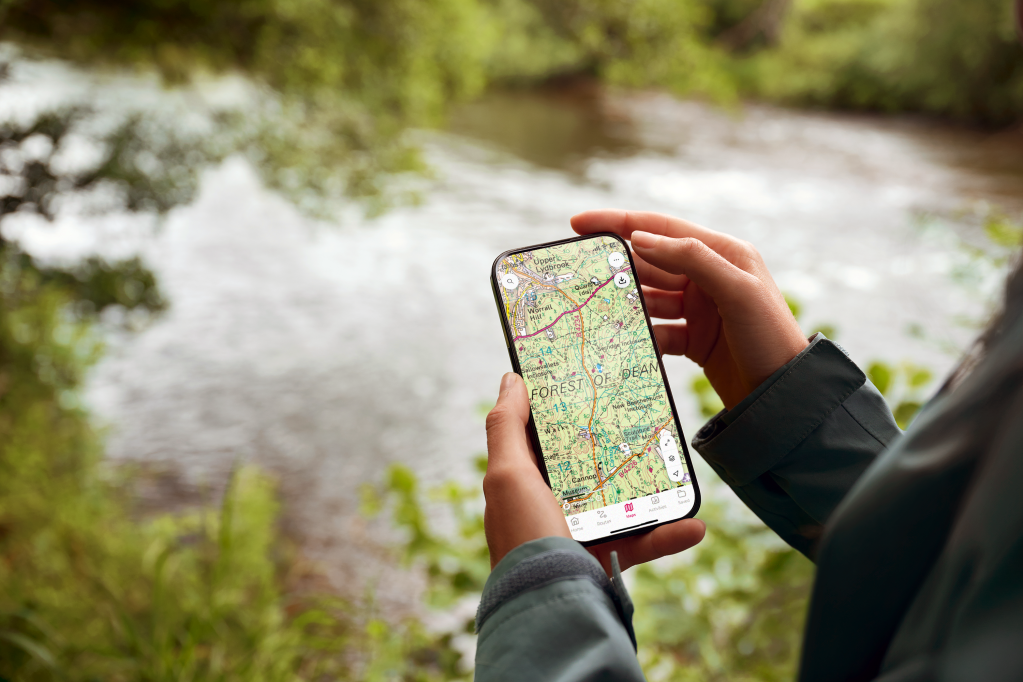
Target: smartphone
{"x": 603, "y": 422}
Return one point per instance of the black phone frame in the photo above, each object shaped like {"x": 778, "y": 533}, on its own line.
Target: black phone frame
{"x": 534, "y": 435}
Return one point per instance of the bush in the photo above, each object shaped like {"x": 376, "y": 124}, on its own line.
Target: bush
{"x": 88, "y": 591}
{"x": 958, "y": 59}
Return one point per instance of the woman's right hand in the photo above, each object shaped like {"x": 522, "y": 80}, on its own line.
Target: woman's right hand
{"x": 736, "y": 326}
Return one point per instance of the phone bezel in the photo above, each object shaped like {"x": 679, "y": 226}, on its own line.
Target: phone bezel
{"x": 534, "y": 436}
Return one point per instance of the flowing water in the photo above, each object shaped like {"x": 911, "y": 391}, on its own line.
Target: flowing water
{"x": 324, "y": 352}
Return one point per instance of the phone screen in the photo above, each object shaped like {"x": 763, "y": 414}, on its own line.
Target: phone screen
{"x": 603, "y": 415}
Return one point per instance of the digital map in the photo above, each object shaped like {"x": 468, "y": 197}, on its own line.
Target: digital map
{"x": 599, "y": 404}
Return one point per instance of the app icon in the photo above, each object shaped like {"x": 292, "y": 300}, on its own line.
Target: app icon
{"x": 655, "y": 500}
{"x": 681, "y": 492}
{"x": 575, "y": 521}
{"x": 628, "y": 506}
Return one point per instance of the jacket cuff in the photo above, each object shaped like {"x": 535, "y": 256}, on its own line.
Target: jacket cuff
{"x": 546, "y": 561}
{"x": 747, "y": 441}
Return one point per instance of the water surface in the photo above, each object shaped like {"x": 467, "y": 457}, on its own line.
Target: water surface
{"x": 324, "y": 352}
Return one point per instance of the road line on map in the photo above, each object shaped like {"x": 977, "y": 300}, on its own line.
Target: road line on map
{"x": 580, "y": 307}
{"x": 593, "y": 410}
{"x": 630, "y": 458}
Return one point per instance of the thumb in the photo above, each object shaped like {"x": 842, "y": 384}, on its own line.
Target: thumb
{"x": 508, "y": 444}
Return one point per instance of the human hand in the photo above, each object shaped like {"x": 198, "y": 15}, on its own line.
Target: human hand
{"x": 521, "y": 507}
{"x": 737, "y": 325}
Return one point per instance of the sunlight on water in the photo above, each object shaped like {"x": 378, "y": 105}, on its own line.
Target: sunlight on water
{"x": 325, "y": 352}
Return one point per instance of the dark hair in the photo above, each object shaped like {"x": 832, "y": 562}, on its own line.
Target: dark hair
{"x": 1004, "y": 319}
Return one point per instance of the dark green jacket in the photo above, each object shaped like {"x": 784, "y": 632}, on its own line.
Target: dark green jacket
{"x": 918, "y": 538}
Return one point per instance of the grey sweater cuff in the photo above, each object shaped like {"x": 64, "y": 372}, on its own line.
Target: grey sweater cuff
{"x": 538, "y": 563}
{"x": 756, "y": 434}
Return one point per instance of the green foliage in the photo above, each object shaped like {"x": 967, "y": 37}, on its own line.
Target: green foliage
{"x": 732, "y": 608}
{"x": 341, "y": 81}
{"x": 149, "y": 166}
{"x": 710, "y": 403}
{"x": 399, "y": 58}
{"x": 177, "y": 598}
{"x": 1002, "y": 237}
{"x": 344, "y": 79}
{"x": 904, "y": 386}
{"x": 456, "y": 564}
{"x": 1003, "y": 232}
{"x": 959, "y": 59}
{"x": 85, "y": 592}
{"x": 642, "y": 43}
{"x": 829, "y": 330}
{"x": 88, "y": 591}
{"x": 794, "y": 306}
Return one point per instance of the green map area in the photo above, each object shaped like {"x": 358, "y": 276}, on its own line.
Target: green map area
{"x": 589, "y": 364}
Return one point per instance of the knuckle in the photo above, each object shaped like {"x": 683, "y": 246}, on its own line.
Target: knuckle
{"x": 496, "y": 417}
{"x": 743, "y": 255}
{"x": 688, "y": 246}
{"x": 496, "y": 479}
{"x": 753, "y": 253}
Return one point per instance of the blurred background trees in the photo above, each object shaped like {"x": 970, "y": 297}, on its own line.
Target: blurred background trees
{"x": 344, "y": 79}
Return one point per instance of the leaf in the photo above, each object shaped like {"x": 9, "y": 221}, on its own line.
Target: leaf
{"x": 369, "y": 501}
{"x": 31, "y": 647}
{"x": 905, "y": 412}
{"x": 484, "y": 407}
{"x": 880, "y": 374}
{"x": 918, "y": 376}
{"x": 829, "y": 330}
{"x": 1002, "y": 232}
{"x": 710, "y": 403}
{"x": 794, "y": 306}
{"x": 401, "y": 479}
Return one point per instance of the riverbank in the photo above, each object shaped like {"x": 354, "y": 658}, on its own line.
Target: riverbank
{"x": 325, "y": 352}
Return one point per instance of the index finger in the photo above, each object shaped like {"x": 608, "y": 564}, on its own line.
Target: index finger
{"x": 624, "y": 223}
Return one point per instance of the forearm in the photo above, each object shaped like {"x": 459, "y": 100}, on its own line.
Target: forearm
{"x": 549, "y": 612}
{"x": 794, "y": 447}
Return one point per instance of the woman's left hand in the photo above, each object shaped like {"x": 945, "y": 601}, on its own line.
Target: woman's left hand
{"x": 521, "y": 507}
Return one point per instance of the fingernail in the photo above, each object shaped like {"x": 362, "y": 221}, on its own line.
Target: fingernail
{"x": 643, "y": 240}
{"x": 506, "y": 381}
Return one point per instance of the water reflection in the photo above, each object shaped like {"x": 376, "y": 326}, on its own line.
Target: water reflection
{"x": 325, "y": 352}
{"x": 561, "y": 127}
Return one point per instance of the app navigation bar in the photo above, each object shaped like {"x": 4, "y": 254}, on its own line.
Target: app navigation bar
{"x": 667, "y": 505}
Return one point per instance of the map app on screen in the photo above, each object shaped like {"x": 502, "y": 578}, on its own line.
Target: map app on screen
{"x": 610, "y": 441}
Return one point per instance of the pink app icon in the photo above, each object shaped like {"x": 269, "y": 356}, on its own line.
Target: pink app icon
{"x": 628, "y": 506}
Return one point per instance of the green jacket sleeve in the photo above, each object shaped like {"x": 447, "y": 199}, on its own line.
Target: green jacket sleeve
{"x": 549, "y": 612}
{"x": 796, "y": 445}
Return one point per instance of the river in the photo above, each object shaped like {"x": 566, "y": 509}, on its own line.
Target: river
{"x": 324, "y": 352}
